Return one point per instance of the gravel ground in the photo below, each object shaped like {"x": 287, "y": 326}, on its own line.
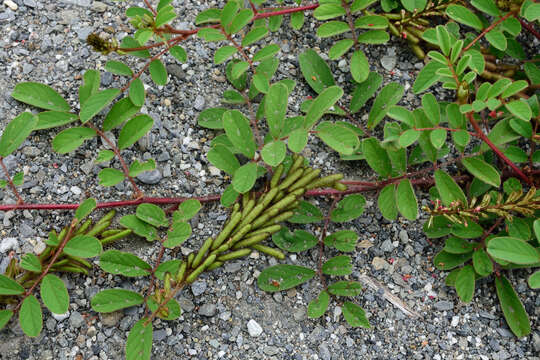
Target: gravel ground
{"x": 225, "y": 315}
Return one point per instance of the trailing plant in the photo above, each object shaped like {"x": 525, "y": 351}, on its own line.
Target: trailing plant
{"x": 476, "y": 155}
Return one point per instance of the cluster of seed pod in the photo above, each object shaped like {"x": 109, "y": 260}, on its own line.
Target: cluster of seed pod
{"x": 256, "y": 217}
{"x": 65, "y": 262}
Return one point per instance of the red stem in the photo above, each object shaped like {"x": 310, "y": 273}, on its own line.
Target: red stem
{"x": 486, "y": 30}
{"x": 10, "y": 182}
{"x": 529, "y": 27}
{"x": 285, "y": 11}
{"x": 497, "y": 151}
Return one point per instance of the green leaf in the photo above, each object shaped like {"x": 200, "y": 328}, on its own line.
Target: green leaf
{"x": 389, "y": 95}
{"x": 470, "y": 230}
{"x": 138, "y": 167}
{"x": 222, "y": 158}
{"x": 482, "y": 170}
{"x": 340, "y": 48}
{"x": 136, "y": 92}
{"x": 30, "y": 316}
{"x": 513, "y": 250}
{"x": 110, "y": 177}
{"x": 212, "y": 118}
{"x": 122, "y": 263}
{"x": 344, "y": 240}
{"x": 339, "y": 138}
{"x": 283, "y": 277}
{"x": 254, "y": 35}
{"x": 178, "y": 53}
{"x": 134, "y": 129}
{"x": 447, "y": 261}
{"x": 482, "y": 263}
{"x": 275, "y": 107}
{"x": 83, "y": 246}
{"x": 179, "y": 232}
{"x": 332, "y": 28}
{"x": 345, "y": 288}
{"x": 374, "y": 37}
{"x": 297, "y": 20}
{"x": 437, "y": 227}
{"x": 406, "y": 200}
{"x": 536, "y": 228}
{"x": 512, "y": 308}
{"x": 241, "y": 19}
{"x": 315, "y": 70}
{"x": 120, "y": 112}
{"x": 306, "y": 213}
{"x": 414, "y": 5}
{"x": 431, "y": 108}
{"x": 71, "y": 138}
{"x": 532, "y": 12}
{"x": 91, "y": 82}
{"x": 533, "y": 72}
{"x": 326, "y": 99}
{"x": 487, "y": 6}
{"x": 5, "y": 316}
{"x": 364, "y": 91}
{"x": 464, "y": 16}
{"x": 95, "y": 103}
{"x": 244, "y": 177}
{"x": 497, "y": 39}
{"x": 427, "y": 76}
{"x": 534, "y": 283}
{"x": 448, "y": 189}
{"x": 9, "y": 286}
{"x": 298, "y": 241}
{"x": 51, "y": 119}
{"x": 110, "y": 300}
{"x": 229, "y": 196}
{"x": 208, "y": 16}
{"x": 186, "y": 210}
{"x": 31, "y": 262}
{"x": 338, "y": 265}
{"x": 355, "y": 315}
{"x": 359, "y": 66}
{"x": 18, "y": 179}
{"x": 317, "y": 307}
{"x": 274, "y": 152}
{"x": 129, "y": 42}
{"x": 349, "y": 208}
{"x": 118, "y": 68}
{"x": 84, "y": 209}
{"x": 328, "y": 11}
{"x": 298, "y": 140}
{"x": 164, "y": 16}
{"x": 152, "y": 214}
{"x": 519, "y": 109}
{"x": 39, "y": 95}
{"x": 211, "y": 34}
{"x": 266, "y": 52}
{"x": 54, "y": 294}
{"x": 170, "y": 266}
{"x": 158, "y": 72}
{"x": 139, "y": 341}
{"x": 465, "y": 283}
{"x": 376, "y": 157}
{"x": 237, "y": 70}
{"x": 371, "y": 22}
{"x": 408, "y": 137}
{"x": 387, "y": 202}
{"x": 455, "y": 245}
{"x": 438, "y": 138}
{"x": 172, "y": 309}
{"x": 237, "y": 128}
{"x": 443, "y": 39}
{"x": 139, "y": 227}
{"x": 16, "y": 132}
{"x": 223, "y": 53}
{"x": 104, "y": 156}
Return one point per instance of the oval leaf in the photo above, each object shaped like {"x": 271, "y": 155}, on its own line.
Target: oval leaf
{"x": 83, "y": 246}
{"x": 30, "y": 316}
{"x": 122, "y": 263}
{"x": 283, "y": 277}
{"x": 39, "y": 95}
{"x": 54, "y": 294}
{"x": 115, "y": 299}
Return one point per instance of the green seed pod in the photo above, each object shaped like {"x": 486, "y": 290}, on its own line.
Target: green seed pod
{"x": 60, "y": 263}
{"x": 245, "y": 200}
{"x": 190, "y": 258}
{"x": 253, "y": 240}
{"x": 249, "y": 206}
{"x": 287, "y": 200}
{"x": 276, "y": 176}
{"x": 111, "y": 232}
{"x": 107, "y": 217}
{"x": 325, "y": 181}
{"x": 260, "y": 221}
{"x": 280, "y": 218}
{"x": 98, "y": 228}
{"x": 293, "y": 206}
{"x": 198, "y": 271}
{"x": 222, "y": 248}
{"x": 306, "y": 179}
{"x": 393, "y": 29}
{"x": 289, "y": 180}
{"x": 167, "y": 283}
{"x": 235, "y": 219}
{"x": 269, "y": 229}
{"x": 250, "y": 217}
{"x": 339, "y": 186}
{"x": 215, "y": 265}
{"x": 117, "y": 236}
{"x": 84, "y": 227}
{"x": 79, "y": 261}
{"x": 417, "y": 50}
{"x": 72, "y": 269}
{"x": 181, "y": 272}
{"x": 62, "y": 234}
{"x": 280, "y": 195}
{"x": 240, "y": 234}
{"x": 204, "y": 248}
{"x": 234, "y": 255}
{"x": 268, "y": 197}
{"x": 269, "y": 251}
{"x": 298, "y": 162}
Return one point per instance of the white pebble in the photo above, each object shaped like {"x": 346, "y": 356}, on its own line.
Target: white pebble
{"x": 10, "y": 4}
{"x": 8, "y": 244}
{"x": 254, "y": 328}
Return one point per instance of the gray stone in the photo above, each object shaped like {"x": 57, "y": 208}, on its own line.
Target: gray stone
{"x": 8, "y": 244}
{"x": 233, "y": 267}
{"x": 29, "y": 3}
{"x": 254, "y": 329}
{"x": 26, "y": 230}
{"x": 150, "y": 177}
{"x": 27, "y": 68}
{"x": 208, "y": 310}
{"x": 106, "y": 78}
{"x": 160, "y": 334}
{"x": 76, "y": 320}
{"x": 324, "y": 352}
{"x": 111, "y": 319}
{"x": 536, "y": 342}
{"x": 387, "y": 246}
{"x": 176, "y": 71}
{"x": 403, "y": 236}
{"x": 443, "y": 305}
{"x": 186, "y": 304}
{"x": 199, "y": 102}
{"x": 99, "y": 6}
{"x": 83, "y": 33}
{"x": 83, "y": 3}
{"x": 388, "y": 62}
{"x": 198, "y": 287}
{"x": 379, "y": 263}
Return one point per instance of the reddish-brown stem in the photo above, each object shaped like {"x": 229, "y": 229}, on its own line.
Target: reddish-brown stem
{"x": 495, "y": 149}
{"x": 50, "y": 264}
{"x": 486, "y": 30}
{"x": 138, "y": 192}
{"x": 444, "y": 128}
{"x": 10, "y": 182}
{"x": 350, "y": 22}
{"x": 158, "y": 44}
{"x": 354, "y": 121}
{"x": 147, "y": 3}
{"x": 321, "y": 239}
{"x": 153, "y": 277}
{"x": 238, "y": 47}
{"x": 262, "y": 15}
{"x": 490, "y": 230}
{"x": 528, "y": 26}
